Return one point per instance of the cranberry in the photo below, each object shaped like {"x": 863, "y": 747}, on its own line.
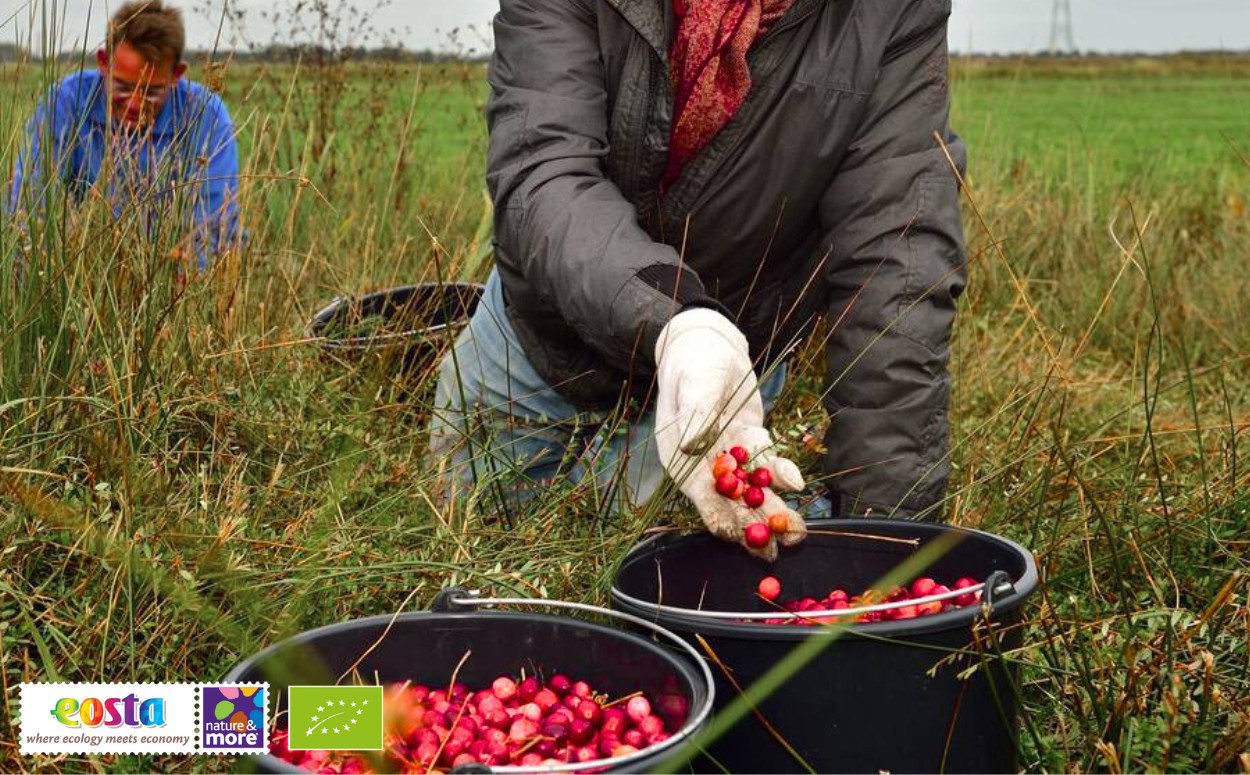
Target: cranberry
{"x": 526, "y": 690}
{"x": 451, "y": 749}
{"x": 433, "y": 718}
{"x": 922, "y": 587}
{"x": 969, "y": 598}
{"x": 637, "y": 708}
{"x": 779, "y": 522}
{"x": 504, "y": 688}
{"x": 499, "y": 718}
{"x": 427, "y": 753}
{"x": 727, "y": 485}
{"x": 906, "y": 612}
{"x": 651, "y": 726}
{"x": 531, "y": 711}
{"x": 586, "y": 754}
{"x": 531, "y": 760}
{"x": 546, "y": 699}
{"x": 724, "y": 464}
{"x": 769, "y": 588}
{"x": 581, "y": 731}
{"x": 753, "y": 497}
{"x": 608, "y": 743}
{"x": 757, "y": 535}
{"x": 614, "y": 721}
{"x": 560, "y": 684}
{"x": 740, "y": 454}
{"x": 522, "y": 729}
{"x": 761, "y": 477}
{"x": 591, "y": 711}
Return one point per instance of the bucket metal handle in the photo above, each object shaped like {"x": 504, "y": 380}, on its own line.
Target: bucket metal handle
{"x": 456, "y": 599}
{"x": 1001, "y": 581}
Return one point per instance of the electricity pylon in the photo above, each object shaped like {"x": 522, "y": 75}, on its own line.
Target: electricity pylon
{"x": 1061, "y": 37}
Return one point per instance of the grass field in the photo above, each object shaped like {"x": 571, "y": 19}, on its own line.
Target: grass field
{"x": 183, "y": 480}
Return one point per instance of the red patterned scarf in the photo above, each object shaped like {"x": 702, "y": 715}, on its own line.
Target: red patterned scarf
{"x": 708, "y": 69}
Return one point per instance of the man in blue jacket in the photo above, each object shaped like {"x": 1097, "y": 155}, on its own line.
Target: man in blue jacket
{"x": 166, "y": 143}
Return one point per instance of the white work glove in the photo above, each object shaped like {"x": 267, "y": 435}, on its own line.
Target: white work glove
{"x": 708, "y": 402}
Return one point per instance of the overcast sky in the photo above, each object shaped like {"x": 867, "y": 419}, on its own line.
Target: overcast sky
{"x": 976, "y": 25}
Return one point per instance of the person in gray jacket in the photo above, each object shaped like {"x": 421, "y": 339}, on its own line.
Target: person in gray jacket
{"x": 681, "y": 190}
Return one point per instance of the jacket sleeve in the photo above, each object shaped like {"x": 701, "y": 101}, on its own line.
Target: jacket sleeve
{"x": 43, "y": 150}
{"x": 897, "y": 266}
{"x": 215, "y": 207}
{"x": 562, "y": 227}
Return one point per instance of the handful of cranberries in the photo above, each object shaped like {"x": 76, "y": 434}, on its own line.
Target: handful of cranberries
{"x": 522, "y": 723}
{"x": 735, "y": 481}
{"x": 769, "y": 588}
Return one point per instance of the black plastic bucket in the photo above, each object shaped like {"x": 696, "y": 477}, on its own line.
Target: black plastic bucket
{"x": 884, "y": 696}
{"x": 427, "y": 647}
{"x": 406, "y": 328}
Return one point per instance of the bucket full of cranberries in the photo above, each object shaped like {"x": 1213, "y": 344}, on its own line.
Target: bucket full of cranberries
{"x": 913, "y": 678}
{"x": 468, "y": 687}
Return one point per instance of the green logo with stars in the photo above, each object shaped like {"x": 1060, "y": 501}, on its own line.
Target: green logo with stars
{"x": 337, "y": 718}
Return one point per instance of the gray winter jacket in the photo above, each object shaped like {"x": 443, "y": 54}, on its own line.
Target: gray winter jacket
{"x": 828, "y": 194}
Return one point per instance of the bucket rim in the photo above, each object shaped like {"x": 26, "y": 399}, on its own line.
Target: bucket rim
{"x": 688, "y": 620}
{"x": 695, "y": 682}
{"x": 373, "y": 342}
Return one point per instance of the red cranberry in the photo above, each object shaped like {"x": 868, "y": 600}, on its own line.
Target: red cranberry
{"x": 769, "y": 588}
{"x": 727, "y": 484}
{"x": 546, "y": 699}
{"x": 522, "y": 729}
{"x": 581, "y": 731}
{"x": 614, "y": 721}
{"x": 922, "y": 587}
{"x": 560, "y": 684}
{"x": 757, "y": 535}
{"x": 651, "y": 726}
{"x": 637, "y": 708}
{"x": 761, "y": 477}
{"x": 591, "y": 711}
{"x": 526, "y": 690}
{"x": 504, "y": 688}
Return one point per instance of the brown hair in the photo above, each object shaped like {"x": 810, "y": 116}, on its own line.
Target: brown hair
{"x": 150, "y": 28}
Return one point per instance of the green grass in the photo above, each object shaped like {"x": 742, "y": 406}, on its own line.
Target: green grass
{"x": 183, "y": 480}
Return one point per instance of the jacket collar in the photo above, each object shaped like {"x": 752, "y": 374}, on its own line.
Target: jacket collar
{"x": 653, "y": 19}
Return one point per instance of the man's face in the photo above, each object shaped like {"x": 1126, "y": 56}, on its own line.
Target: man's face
{"x": 137, "y": 86}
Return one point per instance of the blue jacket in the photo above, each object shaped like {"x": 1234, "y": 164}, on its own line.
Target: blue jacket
{"x": 189, "y": 162}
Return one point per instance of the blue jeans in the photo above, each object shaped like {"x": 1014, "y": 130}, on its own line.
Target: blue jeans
{"x": 496, "y": 421}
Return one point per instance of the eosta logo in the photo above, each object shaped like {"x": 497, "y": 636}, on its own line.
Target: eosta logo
{"x": 127, "y": 711}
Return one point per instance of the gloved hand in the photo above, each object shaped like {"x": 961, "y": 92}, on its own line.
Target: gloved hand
{"x": 709, "y": 401}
